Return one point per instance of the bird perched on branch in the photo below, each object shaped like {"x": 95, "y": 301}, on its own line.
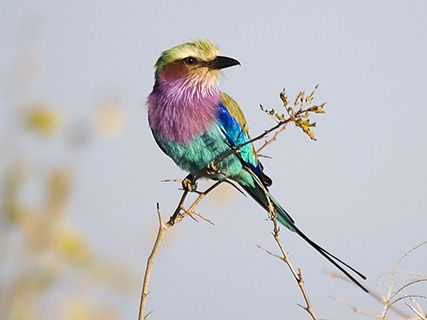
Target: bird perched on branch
{"x": 194, "y": 123}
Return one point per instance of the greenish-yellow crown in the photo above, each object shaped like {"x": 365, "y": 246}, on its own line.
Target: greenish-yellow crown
{"x": 201, "y": 49}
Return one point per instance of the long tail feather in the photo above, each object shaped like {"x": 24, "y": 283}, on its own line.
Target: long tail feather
{"x": 260, "y": 194}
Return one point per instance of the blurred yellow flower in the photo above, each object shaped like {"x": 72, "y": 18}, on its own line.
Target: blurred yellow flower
{"x": 34, "y": 227}
{"x": 12, "y": 207}
{"x": 71, "y": 245}
{"x": 43, "y": 119}
{"x": 109, "y": 119}
{"x": 21, "y": 308}
{"x": 58, "y": 190}
{"x": 79, "y": 309}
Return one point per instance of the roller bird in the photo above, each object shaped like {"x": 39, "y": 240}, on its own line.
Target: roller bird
{"x": 195, "y": 123}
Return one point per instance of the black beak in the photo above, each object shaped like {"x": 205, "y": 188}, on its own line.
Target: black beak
{"x": 221, "y": 62}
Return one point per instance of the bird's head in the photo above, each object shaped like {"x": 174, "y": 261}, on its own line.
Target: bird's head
{"x": 198, "y": 60}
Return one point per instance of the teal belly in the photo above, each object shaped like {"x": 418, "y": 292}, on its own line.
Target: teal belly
{"x": 205, "y": 148}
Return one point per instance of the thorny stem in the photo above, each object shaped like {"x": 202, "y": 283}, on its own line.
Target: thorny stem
{"x": 296, "y": 273}
{"x": 163, "y": 228}
{"x": 178, "y": 209}
{"x": 147, "y": 276}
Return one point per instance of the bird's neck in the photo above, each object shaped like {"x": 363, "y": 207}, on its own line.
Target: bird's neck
{"x": 182, "y": 109}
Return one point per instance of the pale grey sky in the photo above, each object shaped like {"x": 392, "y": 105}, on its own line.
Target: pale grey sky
{"x": 360, "y": 190}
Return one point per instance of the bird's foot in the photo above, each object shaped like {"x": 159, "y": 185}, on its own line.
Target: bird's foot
{"x": 189, "y": 185}
{"x": 212, "y": 169}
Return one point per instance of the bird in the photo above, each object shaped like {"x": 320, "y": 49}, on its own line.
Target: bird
{"x": 194, "y": 123}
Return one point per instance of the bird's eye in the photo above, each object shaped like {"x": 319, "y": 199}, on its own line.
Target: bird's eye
{"x": 189, "y": 60}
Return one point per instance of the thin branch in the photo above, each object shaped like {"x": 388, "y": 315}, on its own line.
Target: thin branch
{"x": 296, "y": 273}
{"x": 378, "y": 297}
{"x": 147, "y": 276}
{"x": 271, "y": 140}
{"x": 235, "y": 186}
{"x": 407, "y": 254}
{"x": 178, "y": 216}
{"x": 418, "y": 307}
{"x": 407, "y": 285}
{"x": 203, "y": 218}
{"x": 417, "y": 312}
{"x": 391, "y": 300}
{"x": 388, "y": 304}
{"x": 172, "y": 180}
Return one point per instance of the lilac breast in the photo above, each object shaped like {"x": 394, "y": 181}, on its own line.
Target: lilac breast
{"x": 182, "y": 110}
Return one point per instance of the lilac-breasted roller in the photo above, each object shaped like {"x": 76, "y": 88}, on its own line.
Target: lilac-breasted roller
{"x": 194, "y": 123}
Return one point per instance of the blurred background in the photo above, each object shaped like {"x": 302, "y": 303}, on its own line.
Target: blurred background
{"x": 81, "y": 174}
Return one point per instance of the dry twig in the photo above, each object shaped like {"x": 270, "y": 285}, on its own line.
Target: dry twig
{"x": 296, "y": 273}
{"x": 391, "y": 300}
{"x": 163, "y": 228}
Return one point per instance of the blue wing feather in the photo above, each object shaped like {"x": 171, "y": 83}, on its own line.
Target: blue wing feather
{"x": 236, "y": 136}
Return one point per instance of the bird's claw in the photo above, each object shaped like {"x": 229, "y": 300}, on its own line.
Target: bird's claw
{"x": 212, "y": 169}
{"x": 189, "y": 185}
